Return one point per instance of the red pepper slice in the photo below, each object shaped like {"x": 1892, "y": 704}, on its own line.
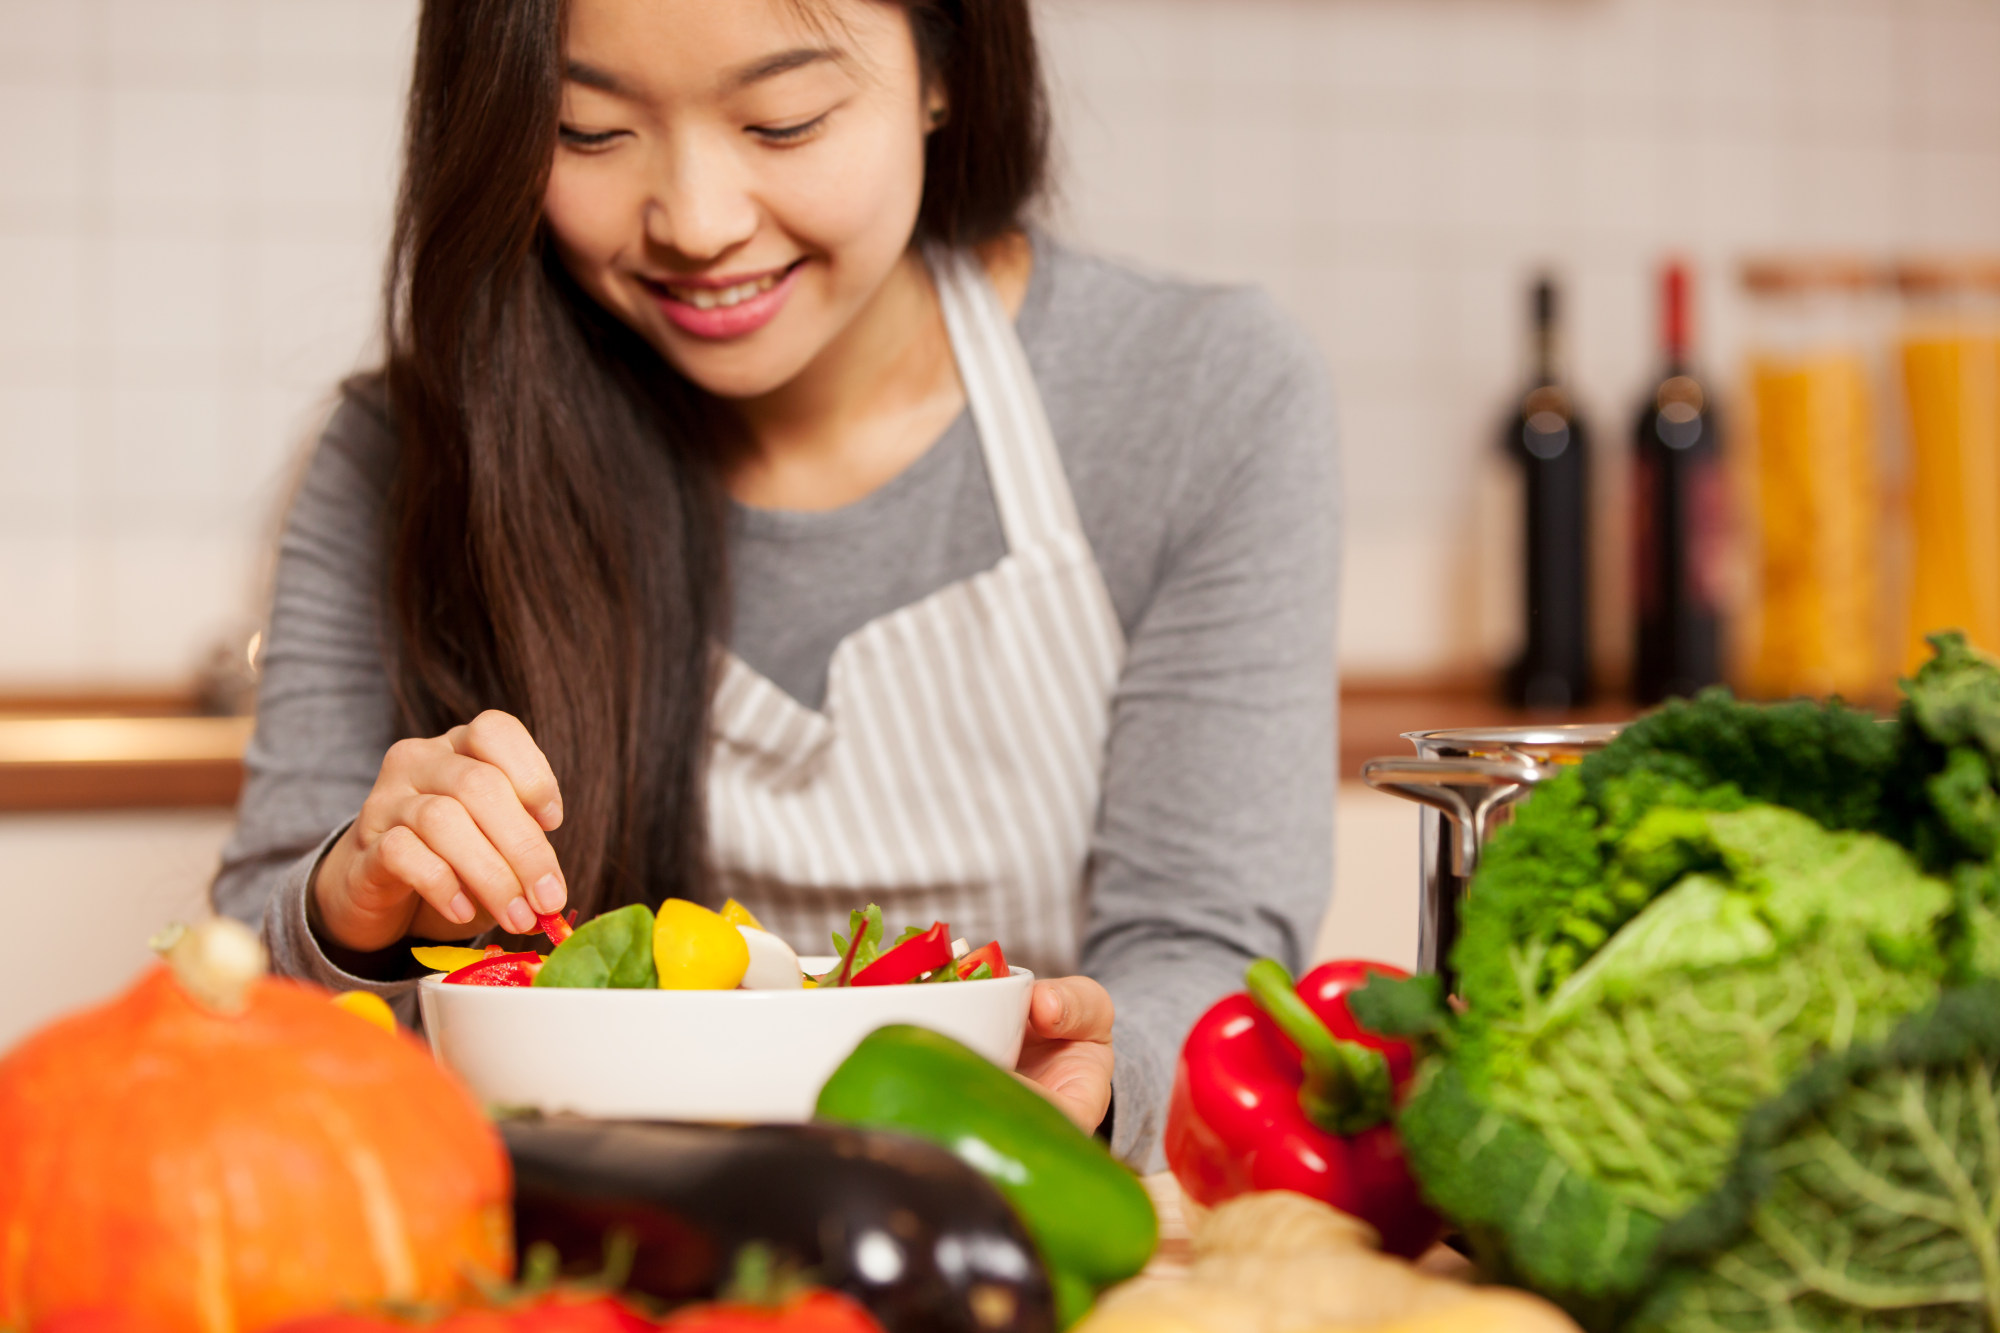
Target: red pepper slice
{"x": 500, "y": 969}
{"x": 986, "y": 953}
{"x": 555, "y": 927}
{"x": 1281, "y": 1089}
{"x": 909, "y": 960}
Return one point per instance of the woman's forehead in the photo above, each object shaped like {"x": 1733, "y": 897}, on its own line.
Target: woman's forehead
{"x": 643, "y": 49}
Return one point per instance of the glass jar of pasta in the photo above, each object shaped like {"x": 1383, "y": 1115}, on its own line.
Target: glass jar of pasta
{"x": 1949, "y": 358}
{"x": 1814, "y": 471}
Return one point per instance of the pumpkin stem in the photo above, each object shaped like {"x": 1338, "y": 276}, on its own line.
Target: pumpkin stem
{"x": 216, "y": 962}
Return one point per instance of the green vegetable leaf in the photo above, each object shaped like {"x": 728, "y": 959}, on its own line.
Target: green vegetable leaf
{"x": 612, "y": 951}
{"x": 1867, "y": 1196}
{"x": 1410, "y": 1007}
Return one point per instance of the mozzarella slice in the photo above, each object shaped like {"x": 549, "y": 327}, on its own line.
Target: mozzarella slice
{"x": 773, "y": 965}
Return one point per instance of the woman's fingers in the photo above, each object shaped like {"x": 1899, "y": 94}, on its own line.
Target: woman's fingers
{"x": 449, "y": 831}
{"x": 402, "y": 860}
{"x": 492, "y": 798}
{"x": 499, "y": 739}
{"x": 486, "y": 794}
{"x": 1070, "y": 1009}
{"x": 1067, "y": 1055}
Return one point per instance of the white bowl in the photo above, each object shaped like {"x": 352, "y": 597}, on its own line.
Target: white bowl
{"x": 735, "y": 1056}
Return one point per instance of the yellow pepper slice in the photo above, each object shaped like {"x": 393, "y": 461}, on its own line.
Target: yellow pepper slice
{"x": 736, "y": 914}
{"x": 696, "y": 949}
{"x": 368, "y": 1007}
{"x": 446, "y": 957}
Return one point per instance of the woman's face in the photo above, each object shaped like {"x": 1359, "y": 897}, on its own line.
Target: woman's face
{"x": 736, "y": 179}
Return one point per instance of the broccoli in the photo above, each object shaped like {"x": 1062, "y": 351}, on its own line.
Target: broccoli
{"x": 1668, "y": 942}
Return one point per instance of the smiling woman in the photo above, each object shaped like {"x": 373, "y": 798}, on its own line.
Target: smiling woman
{"x": 753, "y": 504}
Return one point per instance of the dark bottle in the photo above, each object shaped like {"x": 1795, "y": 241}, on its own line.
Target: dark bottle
{"x": 1548, "y": 440}
{"x": 1677, "y": 520}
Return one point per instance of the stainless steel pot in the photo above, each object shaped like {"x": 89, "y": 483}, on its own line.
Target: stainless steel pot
{"x": 1469, "y": 779}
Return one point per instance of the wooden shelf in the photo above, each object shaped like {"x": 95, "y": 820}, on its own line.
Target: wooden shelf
{"x": 147, "y": 751}
{"x": 113, "y": 762}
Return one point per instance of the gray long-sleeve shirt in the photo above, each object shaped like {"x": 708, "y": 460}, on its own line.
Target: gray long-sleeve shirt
{"x": 1196, "y": 431}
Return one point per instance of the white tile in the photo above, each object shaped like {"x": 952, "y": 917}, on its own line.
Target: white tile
{"x": 1844, "y": 69}
{"x": 43, "y": 157}
{"x": 42, "y": 587}
{"x": 47, "y": 41}
{"x": 171, "y": 144}
{"x": 168, "y": 297}
{"x": 1955, "y": 199}
{"x": 1395, "y": 599}
{"x": 1504, "y": 178}
{"x": 181, "y": 41}
{"x": 317, "y": 305}
{"x": 346, "y": 42}
{"x": 1392, "y": 178}
{"x": 42, "y": 277}
{"x": 168, "y": 598}
{"x": 166, "y": 454}
{"x": 327, "y": 149}
{"x": 40, "y": 457}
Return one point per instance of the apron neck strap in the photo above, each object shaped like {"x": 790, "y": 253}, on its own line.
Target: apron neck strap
{"x": 1021, "y": 460}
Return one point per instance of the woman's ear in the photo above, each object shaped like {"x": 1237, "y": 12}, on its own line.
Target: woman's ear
{"x": 935, "y": 106}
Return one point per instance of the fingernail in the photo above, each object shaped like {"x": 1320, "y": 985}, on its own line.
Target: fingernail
{"x": 551, "y": 814}
{"x": 548, "y": 894}
{"x": 520, "y": 917}
{"x": 459, "y": 909}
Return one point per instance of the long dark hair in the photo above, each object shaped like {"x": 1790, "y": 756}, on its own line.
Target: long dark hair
{"x": 556, "y": 525}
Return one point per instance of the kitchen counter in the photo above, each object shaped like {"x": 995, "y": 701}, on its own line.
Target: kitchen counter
{"x": 154, "y": 752}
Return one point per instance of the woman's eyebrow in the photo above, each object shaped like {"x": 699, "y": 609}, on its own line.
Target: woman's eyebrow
{"x": 782, "y": 63}
{"x": 770, "y": 67}
{"x": 590, "y": 76}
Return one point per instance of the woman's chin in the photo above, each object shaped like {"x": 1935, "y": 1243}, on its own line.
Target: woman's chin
{"x": 738, "y": 370}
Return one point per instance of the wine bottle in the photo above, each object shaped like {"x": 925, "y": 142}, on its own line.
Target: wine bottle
{"x": 1677, "y": 492}
{"x": 1547, "y": 439}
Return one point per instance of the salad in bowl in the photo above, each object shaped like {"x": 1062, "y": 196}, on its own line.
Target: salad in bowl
{"x": 690, "y": 1014}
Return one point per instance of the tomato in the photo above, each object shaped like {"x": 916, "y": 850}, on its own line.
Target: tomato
{"x": 810, "y": 1312}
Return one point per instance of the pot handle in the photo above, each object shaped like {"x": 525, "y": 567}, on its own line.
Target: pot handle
{"x": 1467, "y": 791}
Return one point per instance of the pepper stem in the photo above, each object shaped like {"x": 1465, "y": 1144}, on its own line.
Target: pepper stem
{"x": 1346, "y": 1088}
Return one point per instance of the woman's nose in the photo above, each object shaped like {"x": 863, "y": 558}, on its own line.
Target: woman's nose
{"x": 702, "y": 207}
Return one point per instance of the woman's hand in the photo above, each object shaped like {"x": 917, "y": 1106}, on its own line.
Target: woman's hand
{"x": 1067, "y": 1054}
{"x": 453, "y": 838}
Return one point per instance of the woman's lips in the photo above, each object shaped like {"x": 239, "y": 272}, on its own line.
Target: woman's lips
{"x": 722, "y": 312}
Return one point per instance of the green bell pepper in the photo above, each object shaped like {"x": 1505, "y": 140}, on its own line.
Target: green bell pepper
{"x": 1089, "y": 1216}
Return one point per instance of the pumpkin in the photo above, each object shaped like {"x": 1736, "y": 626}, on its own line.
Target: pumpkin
{"x": 217, "y": 1152}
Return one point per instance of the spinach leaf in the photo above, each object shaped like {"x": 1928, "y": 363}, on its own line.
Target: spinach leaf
{"x": 613, "y": 951}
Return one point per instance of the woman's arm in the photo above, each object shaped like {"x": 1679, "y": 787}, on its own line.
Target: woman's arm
{"x": 325, "y": 712}
{"x": 1215, "y": 839}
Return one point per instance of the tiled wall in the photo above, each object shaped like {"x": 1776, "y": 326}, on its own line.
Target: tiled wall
{"x": 193, "y": 198}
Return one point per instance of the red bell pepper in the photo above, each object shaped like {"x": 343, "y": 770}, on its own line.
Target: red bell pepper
{"x": 988, "y": 954}
{"x": 1281, "y": 1089}
{"x": 555, "y": 927}
{"x": 499, "y": 969}
{"x": 909, "y": 960}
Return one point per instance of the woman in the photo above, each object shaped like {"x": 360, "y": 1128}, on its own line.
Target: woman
{"x": 750, "y": 505}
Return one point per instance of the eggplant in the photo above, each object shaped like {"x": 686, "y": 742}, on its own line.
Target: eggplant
{"x": 922, "y": 1240}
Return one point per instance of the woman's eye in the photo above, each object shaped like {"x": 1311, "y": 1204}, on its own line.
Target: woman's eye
{"x": 575, "y": 138}
{"x": 789, "y": 133}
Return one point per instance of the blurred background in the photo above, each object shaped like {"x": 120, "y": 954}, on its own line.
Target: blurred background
{"x": 194, "y": 199}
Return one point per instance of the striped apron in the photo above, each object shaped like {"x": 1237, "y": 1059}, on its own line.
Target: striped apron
{"x": 954, "y": 771}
